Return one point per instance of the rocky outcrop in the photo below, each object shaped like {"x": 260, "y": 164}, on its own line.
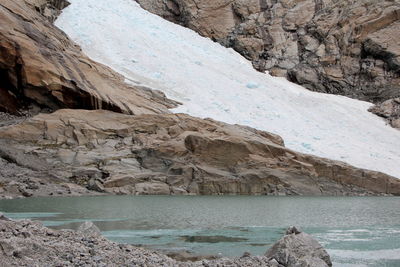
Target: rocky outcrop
{"x": 390, "y": 110}
{"x": 345, "y": 47}
{"x": 28, "y": 243}
{"x": 50, "y": 9}
{"x": 174, "y": 154}
{"x": 40, "y": 66}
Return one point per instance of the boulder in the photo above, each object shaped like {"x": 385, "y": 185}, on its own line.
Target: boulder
{"x": 89, "y": 228}
{"x": 3, "y": 217}
{"x": 299, "y": 249}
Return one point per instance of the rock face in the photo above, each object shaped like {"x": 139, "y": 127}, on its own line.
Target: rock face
{"x": 299, "y": 249}
{"x": 390, "y": 110}
{"x": 27, "y": 243}
{"x": 50, "y": 9}
{"x": 345, "y": 47}
{"x": 40, "y": 66}
{"x": 173, "y": 154}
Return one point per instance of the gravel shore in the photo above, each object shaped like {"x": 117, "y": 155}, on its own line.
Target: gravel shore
{"x": 29, "y": 243}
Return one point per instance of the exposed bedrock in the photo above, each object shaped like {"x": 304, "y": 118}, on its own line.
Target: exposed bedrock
{"x": 109, "y": 152}
{"x": 345, "y": 47}
{"x": 41, "y": 66}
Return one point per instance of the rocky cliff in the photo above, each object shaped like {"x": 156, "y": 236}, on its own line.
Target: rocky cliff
{"x": 40, "y": 66}
{"x": 76, "y": 151}
{"x": 167, "y": 154}
{"x": 345, "y": 47}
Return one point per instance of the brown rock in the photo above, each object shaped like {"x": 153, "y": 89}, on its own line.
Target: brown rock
{"x": 345, "y": 47}
{"x": 179, "y": 154}
{"x": 390, "y": 110}
{"x": 39, "y": 65}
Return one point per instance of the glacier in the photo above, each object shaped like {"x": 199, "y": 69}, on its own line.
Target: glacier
{"x": 216, "y": 82}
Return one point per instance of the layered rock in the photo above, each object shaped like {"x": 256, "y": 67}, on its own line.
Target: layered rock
{"x": 28, "y": 243}
{"x": 40, "y": 66}
{"x": 345, "y": 47}
{"x": 50, "y": 9}
{"x": 166, "y": 154}
{"x": 390, "y": 110}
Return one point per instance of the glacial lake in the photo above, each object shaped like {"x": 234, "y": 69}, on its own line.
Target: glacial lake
{"x": 356, "y": 231}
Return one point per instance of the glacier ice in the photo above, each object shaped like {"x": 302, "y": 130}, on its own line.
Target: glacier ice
{"x": 216, "y": 82}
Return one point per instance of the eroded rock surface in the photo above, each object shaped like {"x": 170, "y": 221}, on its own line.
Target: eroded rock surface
{"x": 345, "y": 47}
{"x": 40, "y": 66}
{"x": 174, "y": 154}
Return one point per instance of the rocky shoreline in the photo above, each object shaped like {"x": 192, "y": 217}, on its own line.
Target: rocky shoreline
{"x": 29, "y": 243}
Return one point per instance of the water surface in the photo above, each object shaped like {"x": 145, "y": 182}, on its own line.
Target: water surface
{"x": 357, "y": 231}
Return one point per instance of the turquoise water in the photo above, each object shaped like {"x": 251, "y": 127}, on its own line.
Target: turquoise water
{"x": 357, "y": 231}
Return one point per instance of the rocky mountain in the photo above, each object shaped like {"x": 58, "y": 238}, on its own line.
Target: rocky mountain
{"x": 148, "y": 150}
{"x": 345, "y": 47}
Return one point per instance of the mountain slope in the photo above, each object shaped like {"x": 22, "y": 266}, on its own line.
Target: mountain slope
{"x": 212, "y": 81}
{"x": 40, "y": 65}
{"x": 346, "y": 47}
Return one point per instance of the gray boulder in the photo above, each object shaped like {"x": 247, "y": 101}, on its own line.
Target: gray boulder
{"x": 88, "y": 228}
{"x": 3, "y": 217}
{"x": 299, "y": 249}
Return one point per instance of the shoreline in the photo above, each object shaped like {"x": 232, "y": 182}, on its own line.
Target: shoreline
{"x": 26, "y": 242}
